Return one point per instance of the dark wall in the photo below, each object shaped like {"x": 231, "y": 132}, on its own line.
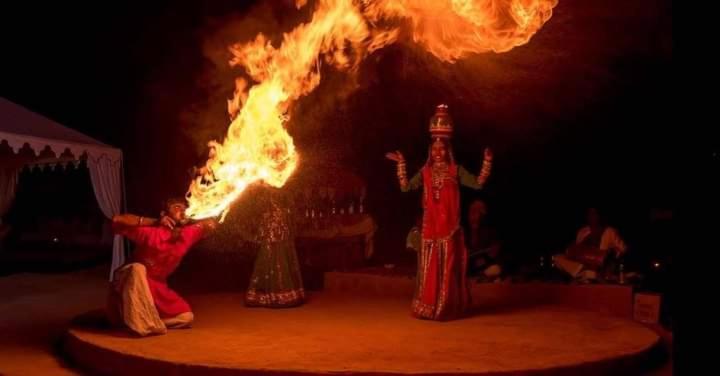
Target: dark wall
{"x": 577, "y": 117}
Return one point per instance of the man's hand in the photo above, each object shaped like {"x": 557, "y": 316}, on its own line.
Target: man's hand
{"x": 167, "y": 222}
{"x": 208, "y": 225}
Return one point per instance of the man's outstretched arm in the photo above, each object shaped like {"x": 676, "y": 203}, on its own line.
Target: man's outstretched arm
{"x": 131, "y": 220}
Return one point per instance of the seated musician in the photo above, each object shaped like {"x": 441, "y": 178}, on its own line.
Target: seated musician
{"x": 595, "y": 244}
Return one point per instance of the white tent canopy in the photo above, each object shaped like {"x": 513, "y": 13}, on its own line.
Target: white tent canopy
{"x": 21, "y": 128}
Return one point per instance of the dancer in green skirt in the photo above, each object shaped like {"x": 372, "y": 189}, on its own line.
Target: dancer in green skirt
{"x": 276, "y": 281}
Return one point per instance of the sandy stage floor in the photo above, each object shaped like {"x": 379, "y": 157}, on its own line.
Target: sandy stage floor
{"x": 335, "y": 333}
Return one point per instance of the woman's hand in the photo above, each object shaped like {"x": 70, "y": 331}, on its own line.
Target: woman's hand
{"x": 395, "y": 156}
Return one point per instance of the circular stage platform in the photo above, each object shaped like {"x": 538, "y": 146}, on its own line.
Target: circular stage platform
{"x": 345, "y": 334}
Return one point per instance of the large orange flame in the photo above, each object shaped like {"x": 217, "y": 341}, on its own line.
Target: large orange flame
{"x": 342, "y": 32}
{"x": 453, "y": 29}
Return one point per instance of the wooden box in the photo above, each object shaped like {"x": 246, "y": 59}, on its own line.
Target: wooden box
{"x": 646, "y": 308}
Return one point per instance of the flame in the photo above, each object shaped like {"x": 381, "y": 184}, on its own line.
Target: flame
{"x": 258, "y": 148}
{"x": 454, "y": 29}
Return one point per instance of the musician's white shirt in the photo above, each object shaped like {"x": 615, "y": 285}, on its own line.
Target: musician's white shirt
{"x": 610, "y": 239}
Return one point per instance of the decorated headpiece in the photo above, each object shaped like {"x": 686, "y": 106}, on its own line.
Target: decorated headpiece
{"x": 441, "y": 124}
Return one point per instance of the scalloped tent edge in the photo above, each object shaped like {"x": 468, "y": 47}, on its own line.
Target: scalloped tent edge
{"x": 20, "y": 127}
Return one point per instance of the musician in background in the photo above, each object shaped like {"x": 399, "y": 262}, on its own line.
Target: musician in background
{"x": 595, "y": 245}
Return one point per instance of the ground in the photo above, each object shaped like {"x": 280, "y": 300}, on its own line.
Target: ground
{"x": 35, "y": 310}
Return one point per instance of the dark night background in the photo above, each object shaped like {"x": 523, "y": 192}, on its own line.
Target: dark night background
{"x": 577, "y": 117}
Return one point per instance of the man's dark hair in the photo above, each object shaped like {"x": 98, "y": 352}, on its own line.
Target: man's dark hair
{"x": 175, "y": 200}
